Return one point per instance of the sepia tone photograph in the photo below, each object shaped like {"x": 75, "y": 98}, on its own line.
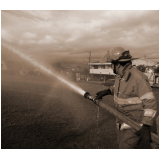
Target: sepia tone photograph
{"x": 79, "y": 79}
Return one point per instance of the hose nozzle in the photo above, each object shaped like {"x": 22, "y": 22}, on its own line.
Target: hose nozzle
{"x": 86, "y": 95}
{"x": 92, "y": 98}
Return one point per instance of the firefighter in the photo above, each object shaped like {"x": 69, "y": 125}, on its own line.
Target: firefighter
{"x": 133, "y": 97}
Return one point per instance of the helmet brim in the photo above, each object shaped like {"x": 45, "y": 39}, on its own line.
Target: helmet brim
{"x": 125, "y": 60}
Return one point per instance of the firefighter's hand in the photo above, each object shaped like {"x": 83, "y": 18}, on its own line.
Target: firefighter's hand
{"x": 101, "y": 94}
{"x": 145, "y": 134}
{"x": 96, "y": 100}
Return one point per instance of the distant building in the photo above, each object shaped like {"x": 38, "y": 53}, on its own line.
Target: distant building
{"x": 101, "y": 70}
{"x": 79, "y": 73}
{"x": 143, "y": 61}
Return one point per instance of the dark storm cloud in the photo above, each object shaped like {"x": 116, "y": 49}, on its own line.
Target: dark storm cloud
{"x": 73, "y": 32}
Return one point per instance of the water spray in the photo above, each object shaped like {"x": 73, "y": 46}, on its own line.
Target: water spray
{"x": 44, "y": 69}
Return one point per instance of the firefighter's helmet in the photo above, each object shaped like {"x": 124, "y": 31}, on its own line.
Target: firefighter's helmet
{"x": 118, "y": 54}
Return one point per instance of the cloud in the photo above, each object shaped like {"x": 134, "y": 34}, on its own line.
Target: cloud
{"x": 29, "y": 35}
{"x": 64, "y": 32}
{"x": 45, "y": 15}
{"x": 26, "y": 42}
{"x": 5, "y": 35}
{"x": 46, "y": 40}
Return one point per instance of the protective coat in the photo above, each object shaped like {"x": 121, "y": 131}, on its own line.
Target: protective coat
{"x": 133, "y": 96}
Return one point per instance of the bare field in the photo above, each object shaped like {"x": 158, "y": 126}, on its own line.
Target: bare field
{"x": 45, "y": 113}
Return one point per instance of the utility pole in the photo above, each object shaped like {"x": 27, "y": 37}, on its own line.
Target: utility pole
{"x": 89, "y": 58}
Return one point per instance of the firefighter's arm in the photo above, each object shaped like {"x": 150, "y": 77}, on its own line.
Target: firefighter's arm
{"x": 103, "y": 93}
{"x": 149, "y": 102}
{"x": 149, "y": 106}
{"x": 108, "y": 91}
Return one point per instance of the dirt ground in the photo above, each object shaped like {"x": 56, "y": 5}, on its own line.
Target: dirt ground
{"x": 43, "y": 113}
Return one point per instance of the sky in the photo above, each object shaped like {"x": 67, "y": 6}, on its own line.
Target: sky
{"x": 58, "y": 34}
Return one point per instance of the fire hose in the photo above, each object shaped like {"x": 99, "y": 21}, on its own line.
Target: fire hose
{"x": 116, "y": 113}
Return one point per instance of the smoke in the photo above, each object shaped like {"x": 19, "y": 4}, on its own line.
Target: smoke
{"x": 44, "y": 69}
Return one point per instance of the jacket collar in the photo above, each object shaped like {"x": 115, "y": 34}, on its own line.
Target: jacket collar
{"x": 126, "y": 72}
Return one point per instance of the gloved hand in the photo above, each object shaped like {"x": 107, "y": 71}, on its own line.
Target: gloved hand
{"x": 96, "y": 100}
{"x": 145, "y": 134}
{"x": 101, "y": 94}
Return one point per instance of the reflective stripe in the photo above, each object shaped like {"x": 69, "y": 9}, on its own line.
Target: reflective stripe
{"x": 134, "y": 100}
{"x": 148, "y": 95}
{"x": 149, "y": 113}
{"x": 131, "y": 107}
{"x": 126, "y": 126}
